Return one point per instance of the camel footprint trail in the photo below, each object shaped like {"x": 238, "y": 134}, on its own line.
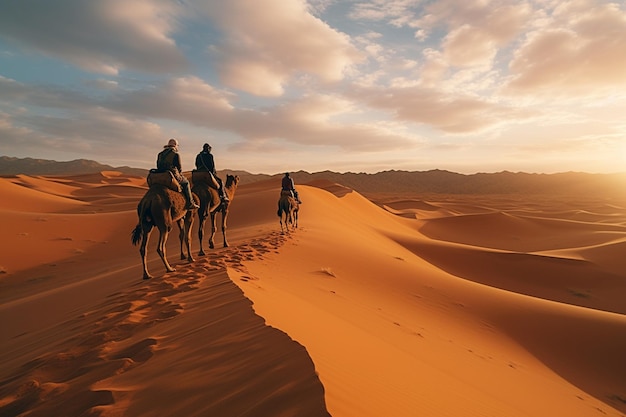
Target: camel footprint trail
{"x": 60, "y": 380}
{"x": 103, "y": 345}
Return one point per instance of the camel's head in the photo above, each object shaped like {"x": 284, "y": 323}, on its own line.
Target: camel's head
{"x": 231, "y": 180}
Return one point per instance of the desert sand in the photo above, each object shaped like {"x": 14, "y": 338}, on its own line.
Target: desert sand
{"x": 385, "y": 306}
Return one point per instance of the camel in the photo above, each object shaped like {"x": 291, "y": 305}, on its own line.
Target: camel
{"x": 288, "y": 207}
{"x": 210, "y": 205}
{"x": 161, "y": 207}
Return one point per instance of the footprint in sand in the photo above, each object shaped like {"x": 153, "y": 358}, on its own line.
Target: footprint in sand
{"x": 139, "y": 352}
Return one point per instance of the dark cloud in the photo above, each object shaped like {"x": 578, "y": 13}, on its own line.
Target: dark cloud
{"x": 98, "y": 36}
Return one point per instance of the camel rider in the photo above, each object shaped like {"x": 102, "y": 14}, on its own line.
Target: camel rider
{"x": 206, "y": 163}
{"x": 169, "y": 160}
{"x": 289, "y": 186}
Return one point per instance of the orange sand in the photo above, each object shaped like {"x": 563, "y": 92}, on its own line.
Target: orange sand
{"x": 381, "y": 307}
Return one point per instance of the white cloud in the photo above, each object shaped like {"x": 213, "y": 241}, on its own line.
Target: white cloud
{"x": 476, "y": 30}
{"x": 469, "y": 46}
{"x": 579, "y": 51}
{"x": 434, "y": 68}
{"x": 267, "y": 43}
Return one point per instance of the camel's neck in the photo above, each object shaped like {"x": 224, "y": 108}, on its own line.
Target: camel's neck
{"x": 230, "y": 190}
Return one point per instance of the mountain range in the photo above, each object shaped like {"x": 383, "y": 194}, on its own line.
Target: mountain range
{"x": 31, "y": 166}
{"x": 393, "y": 181}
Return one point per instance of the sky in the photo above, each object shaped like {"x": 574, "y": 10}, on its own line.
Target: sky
{"x": 343, "y": 85}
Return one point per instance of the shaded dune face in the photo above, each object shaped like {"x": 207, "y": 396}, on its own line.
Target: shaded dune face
{"x": 377, "y": 306}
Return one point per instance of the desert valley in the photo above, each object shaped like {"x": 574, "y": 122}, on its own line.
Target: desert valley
{"x": 380, "y": 304}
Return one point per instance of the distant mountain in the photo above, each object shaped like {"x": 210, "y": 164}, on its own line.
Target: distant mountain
{"x": 392, "y": 182}
{"x": 446, "y": 182}
{"x": 245, "y": 177}
{"x": 29, "y": 166}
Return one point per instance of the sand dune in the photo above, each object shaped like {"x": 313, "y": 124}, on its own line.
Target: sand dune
{"x": 521, "y": 233}
{"x": 19, "y": 195}
{"x": 378, "y": 306}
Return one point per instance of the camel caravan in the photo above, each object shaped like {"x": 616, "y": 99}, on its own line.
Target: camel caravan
{"x": 171, "y": 199}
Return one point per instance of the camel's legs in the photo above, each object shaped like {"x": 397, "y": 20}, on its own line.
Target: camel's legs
{"x": 181, "y": 238}
{"x": 224, "y": 217}
{"x": 280, "y": 215}
{"x": 187, "y": 235}
{"x": 163, "y": 234}
{"x": 184, "y": 236}
{"x": 213, "y": 230}
{"x": 201, "y": 234}
{"x": 147, "y": 229}
{"x": 289, "y": 217}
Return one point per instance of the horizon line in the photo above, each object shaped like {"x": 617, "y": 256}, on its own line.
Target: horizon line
{"x": 336, "y": 172}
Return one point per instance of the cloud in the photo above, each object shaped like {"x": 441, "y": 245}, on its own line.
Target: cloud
{"x": 57, "y": 122}
{"x": 450, "y": 113}
{"x": 469, "y": 46}
{"x": 13, "y": 137}
{"x": 433, "y": 69}
{"x": 395, "y": 12}
{"x": 266, "y": 44}
{"x": 476, "y": 30}
{"x": 502, "y": 18}
{"x": 578, "y": 51}
{"x": 454, "y": 36}
{"x": 402, "y": 80}
{"x": 98, "y": 36}
{"x": 48, "y": 96}
{"x": 315, "y": 119}
{"x": 130, "y": 117}
{"x": 187, "y": 99}
{"x": 103, "y": 84}
{"x": 324, "y": 120}
{"x": 97, "y": 133}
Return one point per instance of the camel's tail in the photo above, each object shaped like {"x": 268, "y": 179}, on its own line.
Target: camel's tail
{"x": 145, "y": 217}
{"x": 284, "y": 207}
{"x": 137, "y": 234}
{"x": 280, "y": 209}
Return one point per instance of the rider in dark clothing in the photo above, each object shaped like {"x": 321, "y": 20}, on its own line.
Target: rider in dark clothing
{"x": 205, "y": 162}
{"x": 288, "y": 185}
{"x": 169, "y": 160}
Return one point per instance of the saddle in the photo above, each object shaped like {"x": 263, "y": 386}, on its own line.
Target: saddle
{"x": 286, "y": 193}
{"x": 204, "y": 177}
{"x": 164, "y": 178}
